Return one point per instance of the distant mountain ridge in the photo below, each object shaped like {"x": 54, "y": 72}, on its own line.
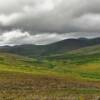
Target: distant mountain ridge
{"x": 30, "y": 50}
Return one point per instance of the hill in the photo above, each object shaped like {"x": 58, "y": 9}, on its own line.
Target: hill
{"x": 70, "y": 74}
{"x": 55, "y": 48}
{"x": 87, "y": 59}
{"x": 88, "y": 52}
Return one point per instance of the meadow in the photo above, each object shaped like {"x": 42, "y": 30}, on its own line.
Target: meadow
{"x": 68, "y": 76}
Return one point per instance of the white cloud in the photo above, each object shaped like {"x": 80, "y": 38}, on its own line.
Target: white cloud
{"x": 17, "y": 37}
{"x": 9, "y": 19}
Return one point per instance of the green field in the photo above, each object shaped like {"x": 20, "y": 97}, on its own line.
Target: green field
{"x": 73, "y": 75}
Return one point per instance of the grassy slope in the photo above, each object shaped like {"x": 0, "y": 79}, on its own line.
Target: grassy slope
{"x": 84, "y": 62}
{"x": 76, "y": 72}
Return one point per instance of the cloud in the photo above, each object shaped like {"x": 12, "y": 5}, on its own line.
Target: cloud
{"x": 17, "y": 37}
{"x": 47, "y": 15}
{"x": 38, "y": 17}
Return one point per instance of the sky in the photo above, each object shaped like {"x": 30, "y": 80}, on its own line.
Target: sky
{"x": 46, "y": 21}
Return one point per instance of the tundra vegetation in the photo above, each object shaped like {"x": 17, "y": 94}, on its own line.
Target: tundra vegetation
{"x": 73, "y": 75}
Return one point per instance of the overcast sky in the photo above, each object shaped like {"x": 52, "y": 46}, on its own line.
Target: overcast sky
{"x": 47, "y": 21}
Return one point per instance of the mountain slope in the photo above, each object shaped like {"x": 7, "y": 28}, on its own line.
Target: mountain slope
{"x": 83, "y": 54}
{"x": 22, "y": 78}
{"x": 75, "y": 73}
{"x": 78, "y": 62}
{"x": 55, "y": 48}
{"x": 65, "y": 64}
{"x": 83, "y": 62}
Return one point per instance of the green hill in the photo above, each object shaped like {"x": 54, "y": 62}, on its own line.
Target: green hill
{"x": 15, "y": 63}
{"x": 39, "y": 51}
{"x": 79, "y": 62}
{"x": 83, "y": 55}
{"x": 84, "y": 61}
{"x": 70, "y": 74}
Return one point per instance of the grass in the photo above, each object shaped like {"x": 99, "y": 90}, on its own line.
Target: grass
{"x": 69, "y": 76}
{"x": 22, "y": 86}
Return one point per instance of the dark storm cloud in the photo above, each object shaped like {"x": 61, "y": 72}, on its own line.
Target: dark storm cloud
{"x": 61, "y": 16}
{"x": 81, "y": 17}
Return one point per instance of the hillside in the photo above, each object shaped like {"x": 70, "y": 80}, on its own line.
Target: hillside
{"x": 55, "y": 48}
{"x": 70, "y": 74}
{"x": 85, "y": 61}
{"x": 84, "y": 55}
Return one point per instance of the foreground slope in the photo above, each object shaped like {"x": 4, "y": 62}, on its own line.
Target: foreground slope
{"x": 72, "y": 75}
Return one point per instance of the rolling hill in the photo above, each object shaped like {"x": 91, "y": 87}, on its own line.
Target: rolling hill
{"x": 78, "y": 62}
{"x": 88, "y": 57}
{"x": 55, "y": 48}
{"x": 73, "y": 74}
